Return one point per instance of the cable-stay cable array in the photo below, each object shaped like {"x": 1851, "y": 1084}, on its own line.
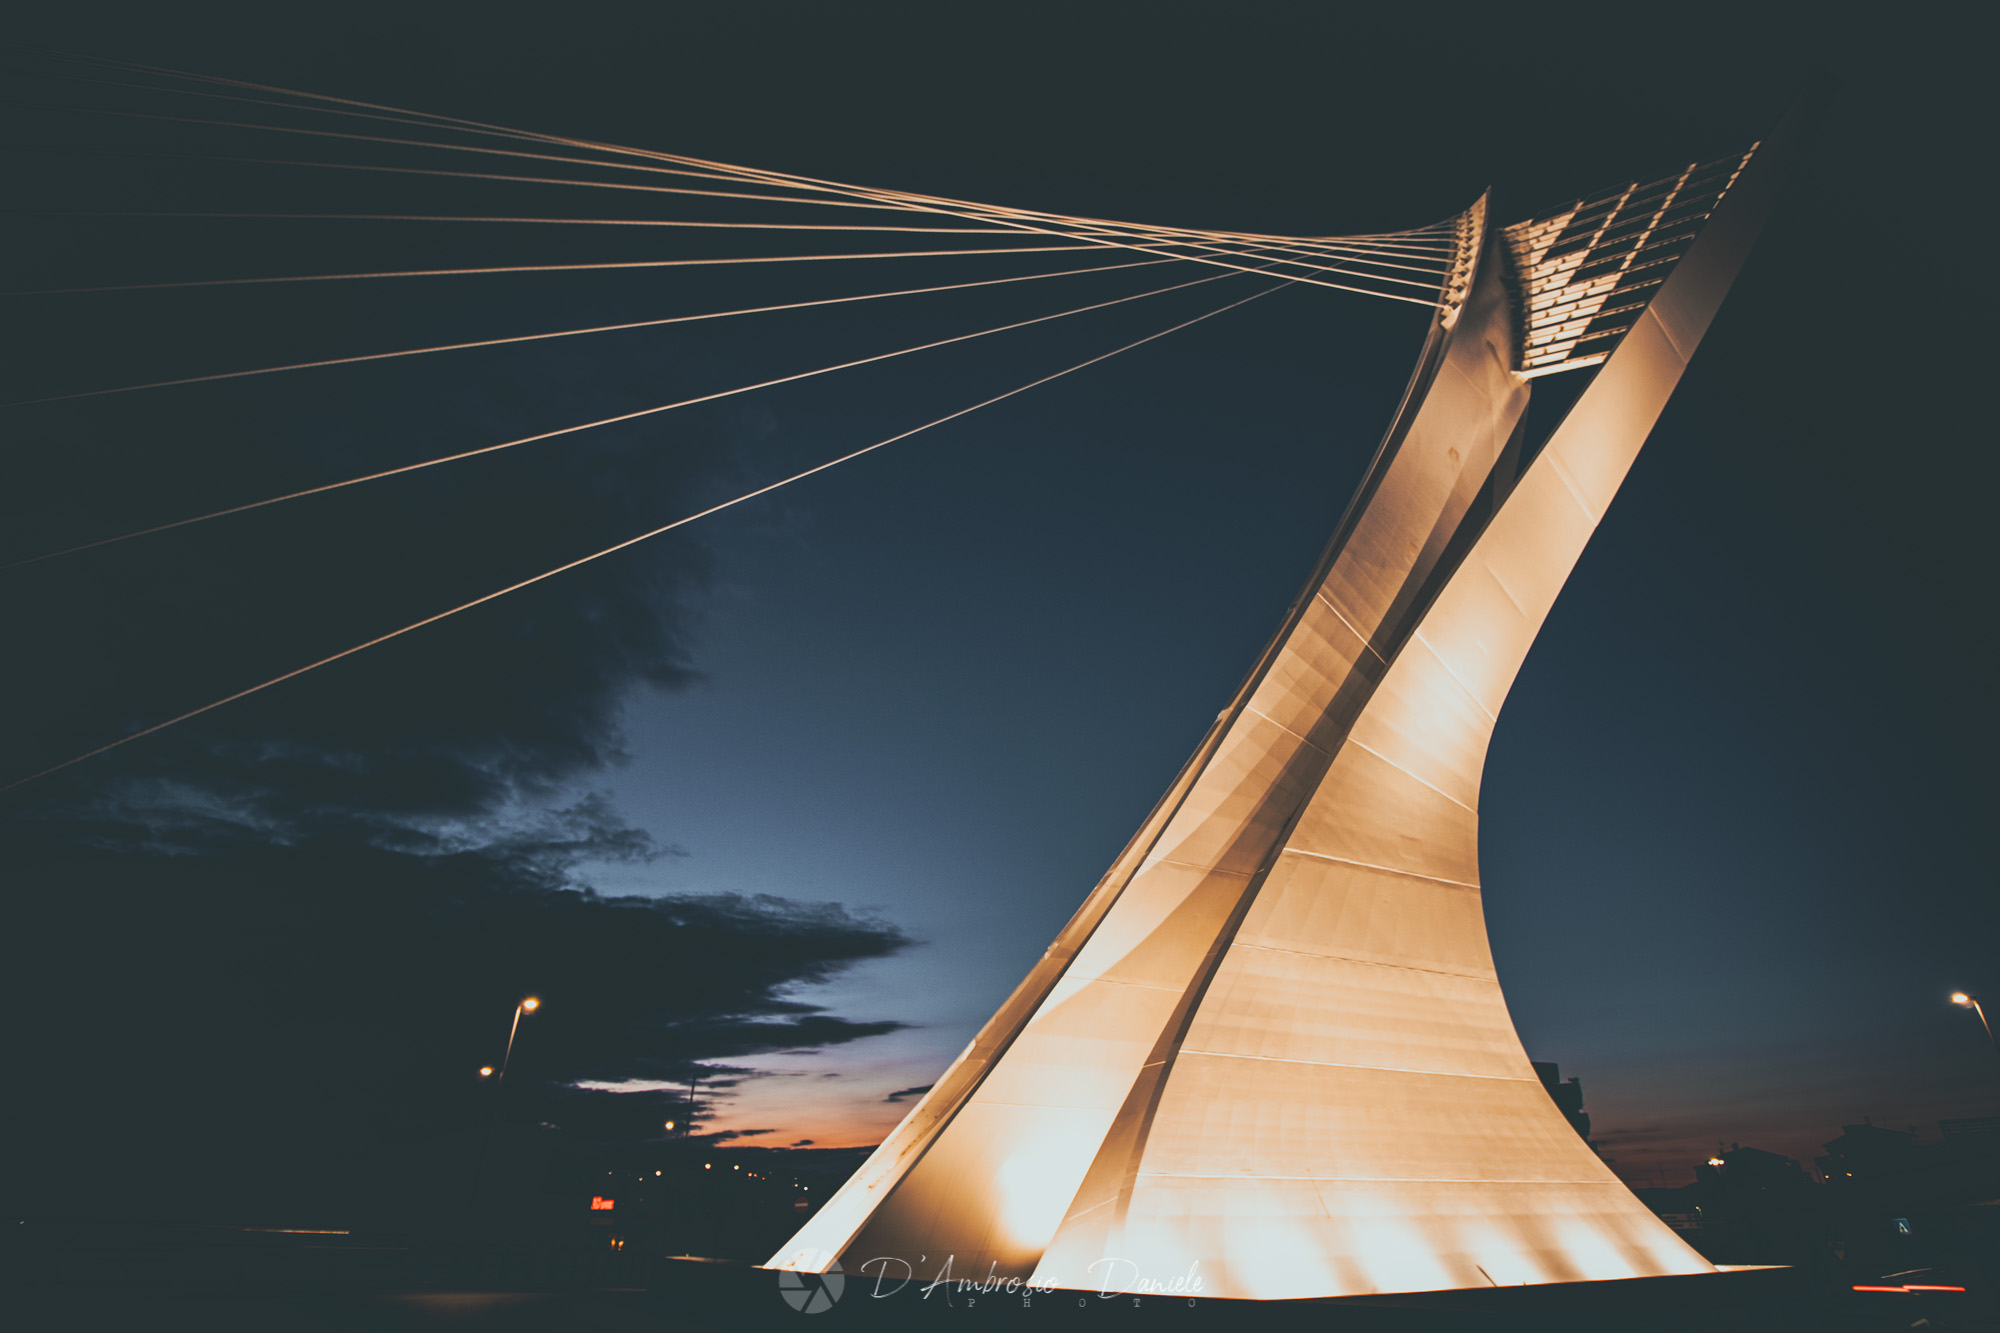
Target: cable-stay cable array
{"x": 1358, "y": 250}
{"x": 633, "y": 541}
{"x": 626, "y": 326}
{"x": 1411, "y": 266}
{"x": 717, "y": 171}
{"x": 624, "y": 417}
{"x": 541, "y": 268}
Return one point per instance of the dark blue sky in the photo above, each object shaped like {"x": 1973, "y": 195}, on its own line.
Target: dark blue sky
{"x": 1732, "y": 822}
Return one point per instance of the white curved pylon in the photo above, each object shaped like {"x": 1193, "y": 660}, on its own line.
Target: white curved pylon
{"x": 1270, "y": 1049}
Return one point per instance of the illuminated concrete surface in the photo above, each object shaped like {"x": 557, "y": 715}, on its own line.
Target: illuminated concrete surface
{"x": 1271, "y": 1047}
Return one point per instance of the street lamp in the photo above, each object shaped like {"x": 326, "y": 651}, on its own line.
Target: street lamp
{"x": 527, "y": 1006}
{"x": 486, "y": 1071}
{"x": 1966, "y": 1001}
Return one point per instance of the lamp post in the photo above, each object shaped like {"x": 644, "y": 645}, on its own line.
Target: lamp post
{"x": 527, "y": 1006}
{"x": 1965, "y": 1000}
{"x": 487, "y": 1183}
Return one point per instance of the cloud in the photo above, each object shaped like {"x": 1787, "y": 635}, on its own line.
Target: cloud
{"x": 294, "y": 926}
{"x": 282, "y": 1016}
{"x": 271, "y": 942}
{"x": 407, "y": 739}
{"x": 904, "y": 1093}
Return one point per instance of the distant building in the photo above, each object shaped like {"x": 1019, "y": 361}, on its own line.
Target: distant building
{"x": 1680, "y": 1207}
{"x": 1868, "y": 1154}
{"x": 1751, "y": 1171}
{"x": 1568, "y": 1095}
{"x": 1753, "y": 1207}
{"x": 1979, "y": 1135}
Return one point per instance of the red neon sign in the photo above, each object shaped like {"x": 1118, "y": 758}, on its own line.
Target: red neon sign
{"x": 600, "y": 1204}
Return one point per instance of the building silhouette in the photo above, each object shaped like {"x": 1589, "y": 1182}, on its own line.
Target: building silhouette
{"x": 1567, "y": 1095}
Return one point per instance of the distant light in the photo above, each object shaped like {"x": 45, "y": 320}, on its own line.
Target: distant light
{"x": 705, "y": 1166}
{"x": 737, "y": 1167}
{"x": 529, "y": 1005}
{"x": 1717, "y": 1161}
{"x": 656, "y": 1173}
{"x": 600, "y": 1204}
{"x": 1959, "y": 997}
{"x": 670, "y": 1124}
{"x": 486, "y": 1071}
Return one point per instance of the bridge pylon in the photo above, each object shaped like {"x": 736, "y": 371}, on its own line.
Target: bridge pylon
{"x": 1270, "y": 1048}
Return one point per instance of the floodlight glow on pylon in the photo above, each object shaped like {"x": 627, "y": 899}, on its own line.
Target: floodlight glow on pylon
{"x": 1271, "y": 1047}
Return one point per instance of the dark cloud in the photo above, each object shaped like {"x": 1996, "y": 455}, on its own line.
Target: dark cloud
{"x": 905, "y": 1093}
{"x": 222, "y": 1011}
{"x": 304, "y": 918}
{"x": 500, "y": 704}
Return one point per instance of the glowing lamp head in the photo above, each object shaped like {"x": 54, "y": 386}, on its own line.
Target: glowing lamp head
{"x": 486, "y": 1071}
{"x": 529, "y": 1005}
{"x": 1961, "y": 999}
{"x": 670, "y": 1124}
